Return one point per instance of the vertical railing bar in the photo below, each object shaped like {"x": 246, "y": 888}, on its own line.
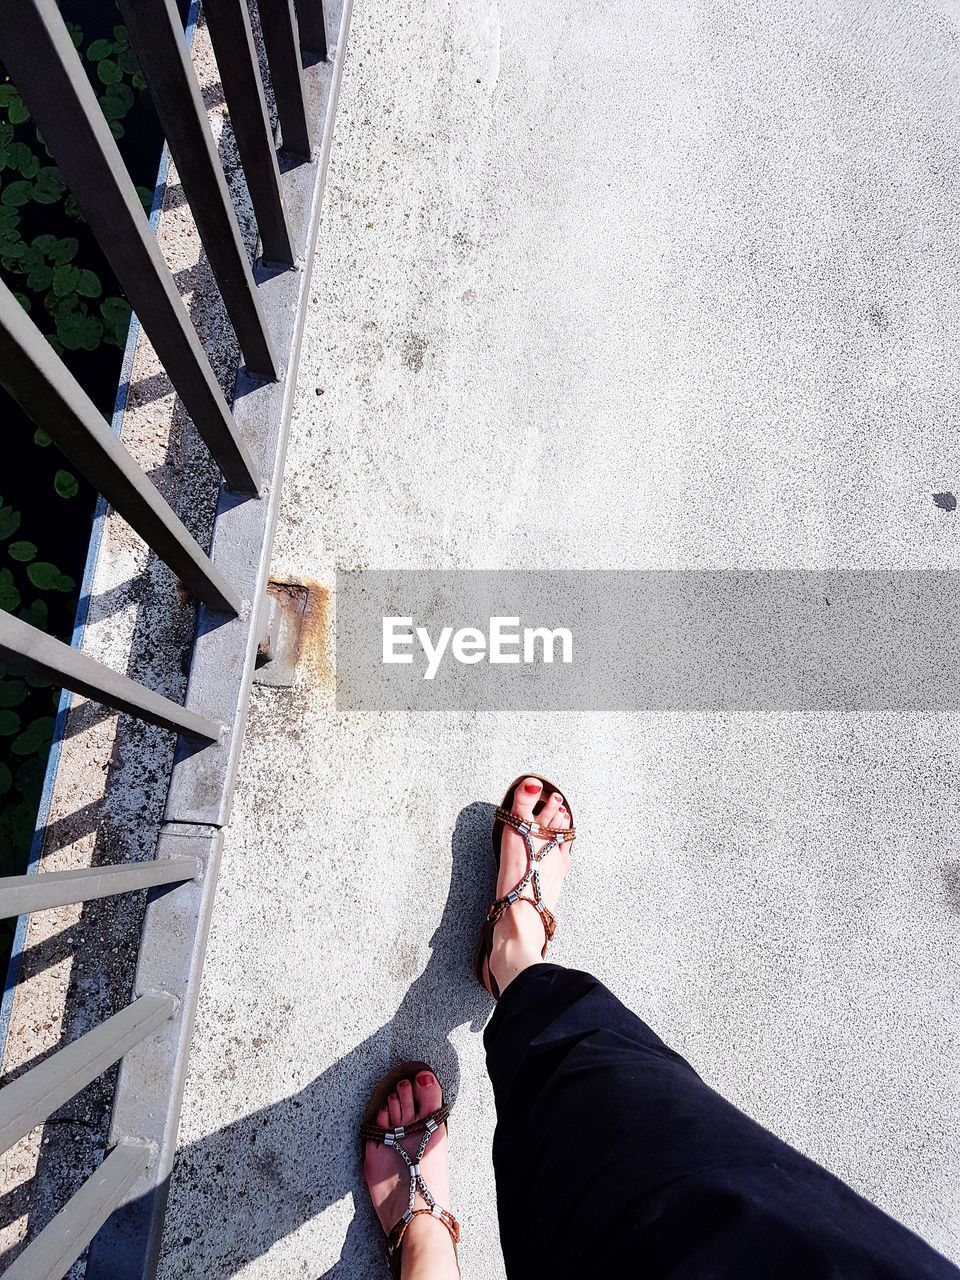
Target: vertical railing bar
{"x": 313, "y": 27}
{"x": 39, "y": 55}
{"x": 33, "y": 652}
{"x": 32, "y": 1097}
{"x": 48, "y": 393}
{"x": 228, "y": 22}
{"x": 156, "y": 33}
{"x": 54, "y": 1251}
{"x": 22, "y": 894}
{"x": 281, "y": 40}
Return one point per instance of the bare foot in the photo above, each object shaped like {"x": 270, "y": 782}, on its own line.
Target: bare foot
{"x": 427, "y": 1252}
{"x": 519, "y": 934}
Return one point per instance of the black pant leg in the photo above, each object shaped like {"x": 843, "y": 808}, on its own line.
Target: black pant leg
{"x": 613, "y": 1157}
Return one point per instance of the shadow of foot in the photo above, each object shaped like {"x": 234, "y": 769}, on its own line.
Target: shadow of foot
{"x": 252, "y": 1183}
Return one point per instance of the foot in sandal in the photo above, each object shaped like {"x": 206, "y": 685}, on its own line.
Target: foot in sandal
{"x": 532, "y": 835}
{"x": 404, "y": 1136}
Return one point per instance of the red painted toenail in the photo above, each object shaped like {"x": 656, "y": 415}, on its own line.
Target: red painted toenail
{"x": 424, "y": 1078}
{"x": 531, "y": 787}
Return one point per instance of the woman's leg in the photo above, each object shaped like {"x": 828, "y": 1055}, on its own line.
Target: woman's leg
{"x": 613, "y": 1157}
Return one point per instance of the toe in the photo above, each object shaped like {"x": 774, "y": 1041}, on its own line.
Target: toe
{"x": 526, "y": 796}
{"x": 427, "y": 1093}
{"x": 550, "y": 809}
{"x": 405, "y": 1094}
{"x": 383, "y": 1118}
{"x": 393, "y": 1105}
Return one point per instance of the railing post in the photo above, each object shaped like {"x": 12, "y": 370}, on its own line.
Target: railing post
{"x": 39, "y": 54}
{"x": 156, "y": 33}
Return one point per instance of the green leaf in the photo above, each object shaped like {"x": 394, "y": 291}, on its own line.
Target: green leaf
{"x": 116, "y": 128}
{"x": 43, "y": 575}
{"x": 13, "y": 247}
{"x": 49, "y": 185}
{"x": 66, "y": 584}
{"x": 24, "y": 159}
{"x": 117, "y": 101}
{"x": 9, "y": 595}
{"x": 41, "y": 438}
{"x": 40, "y": 278}
{"x": 127, "y": 62}
{"x": 17, "y": 155}
{"x": 37, "y": 614}
{"x": 65, "y": 484}
{"x": 100, "y": 49}
{"x": 89, "y": 286}
{"x": 23, "y": 300}
{"x": 17, "y": 193}
{"x": 43, "y": 244}
{"x": 79, "y": 331}
{"x": 30, "y": 773}
{"x": 9, "y": 524}
{"x": 8, "y": 94}
{"x": 29, "y": 259}
{"x": 61, "y": 307}
{"x": 9, "y": 724}
{"x": 138, "y": 81}
{"x": 116, "y": 318}
{"x": 65, "y": 280}
{"x": 17, "y": 113}
{"x": 109, "y": 72}
{"x": 34, "y": 738}
{"x": 121, "y": 36}
{"x": 62, "y": 251}
{"x": 12, "y": 692}
{"x": 76, "y": 35}
{"x": 146, "y": 198}
{"x": 22, "y": 551}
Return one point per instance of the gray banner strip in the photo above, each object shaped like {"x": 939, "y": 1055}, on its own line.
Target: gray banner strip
{"x": 657, "y": 640}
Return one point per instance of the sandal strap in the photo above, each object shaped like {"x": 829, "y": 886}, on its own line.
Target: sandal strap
{"x": 531, "y": 877}
{"x": 529, "y": 830}
{"x": 390, "y": 1137}
{"x": 531, "y": 827}
{"x": 547, "y": 918}
{"x": 427, "y": 1126}
{"x": 398, "y": 1230}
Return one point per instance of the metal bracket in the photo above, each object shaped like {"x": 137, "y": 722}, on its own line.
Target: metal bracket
{"x": 279, "y": 647}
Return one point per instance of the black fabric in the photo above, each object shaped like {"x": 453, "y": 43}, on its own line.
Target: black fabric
{"x": 613, "y": 1158}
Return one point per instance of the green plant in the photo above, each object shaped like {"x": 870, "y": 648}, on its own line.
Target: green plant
{"x": 64, "y": 297}
{"x": 51, "y": 261}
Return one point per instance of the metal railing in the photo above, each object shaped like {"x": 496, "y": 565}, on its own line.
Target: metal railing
{"x": 120, "y": 1207}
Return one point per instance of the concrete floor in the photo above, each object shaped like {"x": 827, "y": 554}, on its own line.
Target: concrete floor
{"x": 695, "y": 268}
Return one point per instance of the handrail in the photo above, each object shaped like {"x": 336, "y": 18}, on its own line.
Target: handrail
{"x": 46, "y": 69}
{"x": 118, "y": 1212}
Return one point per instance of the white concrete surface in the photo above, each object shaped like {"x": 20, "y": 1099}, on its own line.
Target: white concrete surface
{"x": 601, "y": 286}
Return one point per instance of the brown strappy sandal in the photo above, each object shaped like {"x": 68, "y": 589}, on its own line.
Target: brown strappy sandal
{"x": 554, "y": 836}
{"x": 370, "y": 1131}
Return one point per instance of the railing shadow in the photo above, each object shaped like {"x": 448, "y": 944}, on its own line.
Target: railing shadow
{"x": 282, "y": 1166}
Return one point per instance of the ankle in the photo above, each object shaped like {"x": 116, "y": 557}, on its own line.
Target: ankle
{"x": 509, "y": 957}
{"x": 428, "y": 1252}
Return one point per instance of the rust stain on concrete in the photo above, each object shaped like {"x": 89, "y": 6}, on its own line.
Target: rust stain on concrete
{"x": 315, "y": 658}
